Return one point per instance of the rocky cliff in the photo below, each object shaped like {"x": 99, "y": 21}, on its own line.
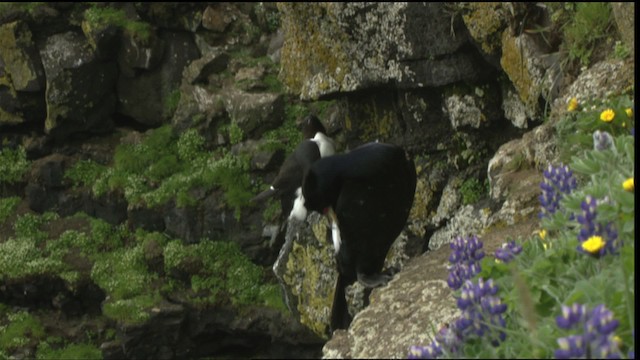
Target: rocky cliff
{"x": 150, "y": 125}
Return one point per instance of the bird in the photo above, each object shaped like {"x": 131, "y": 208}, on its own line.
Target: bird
{"x": 367, "y": 195}
{"x": 315, "y": 145}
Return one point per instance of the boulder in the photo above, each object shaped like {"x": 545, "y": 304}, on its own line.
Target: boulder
{"x": 254, "y": 113}
{"x": 344, "y": 47}
{"x": 150, "y": 97}
{"x": 22, "y": 80}
{"x": 80, "y": 95}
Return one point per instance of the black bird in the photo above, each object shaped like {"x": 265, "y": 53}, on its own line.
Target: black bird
{"x": 367, "y": 194}
{"x": 316, "y": 144}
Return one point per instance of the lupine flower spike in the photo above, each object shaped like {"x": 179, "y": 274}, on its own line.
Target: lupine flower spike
{"x": 595, "y": 338}
{"x": 558, "y": 181}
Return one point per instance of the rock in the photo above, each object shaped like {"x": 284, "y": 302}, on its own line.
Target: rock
{"x": 466, "y": 220}
{"x": 358, "y": 46}
{"x": 20, "y": 58}
{"x": 513, "y": 108}
{"x": 147, "y": 98}
{"x": 21, "y": 76}
{"x": 601, "y": 80}
{"x": 254, "y": 113}
{"x": 306, "y": 270}
{"x": 476, "y": 108}
{"x": 623, "y": 13}
{"x": 199, "y": 71}
{"x": 400, "y": 313}
{"x": 534, "y": 74}
{"x": 80, "y": 95}
{"x": 45, "y": 183}
{"x": 138, "y": 54}
{"x": 177, "y": 331}
{"x": 217, "y": 17}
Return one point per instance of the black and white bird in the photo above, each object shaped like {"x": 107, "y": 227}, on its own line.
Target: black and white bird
{"x": 367, "y": 194}
{"x": 286, "y": 185}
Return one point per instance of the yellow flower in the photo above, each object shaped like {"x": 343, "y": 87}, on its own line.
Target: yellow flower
{"x": 607, "y": 115}
{"x": 629, "y": 112}
{"x": 542, "y": 233}
{"x": 628, "y": 185}
{"x": 573, "y": 104}
{"x": 593, "y": 245}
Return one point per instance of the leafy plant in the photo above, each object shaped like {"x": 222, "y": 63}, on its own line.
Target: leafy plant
{"x": 589, "y": 25}
{"x": 473, "y": 190}
{"x": 22, "y": 328}
{"x": 569, "y": 290}
{"x": 7, "y": 207}
{"x": 13, "y": 165}
{"x": 107, "y": 15}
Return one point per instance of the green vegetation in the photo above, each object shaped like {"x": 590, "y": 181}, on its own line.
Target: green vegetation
{"x": 165, "y": 166}
{"x": 84, "y": 173}
{"x": 19, "y": 329}
{"x": 576, "y": 131}
{"x": 288, "y": 135}
{"x": 99, "y": 16}
{"x": 72, "y": 351}
{"x": 7, "y": 207}
{"x": 223, "y": 273}
{"x": 171, "y": 102}
{"x": 13, "y": 165}
{"x": 236, "y": 134}
{"x": 584, "y": 254}
{"x": 583, "y": 26}
{"x": 473, "y": 190}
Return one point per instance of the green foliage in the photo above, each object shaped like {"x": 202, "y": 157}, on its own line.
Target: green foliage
{"x": 588, "y": 26}
{"x": 7, "y": 207}
{"x": 13, "y": 165}
{"x": 100, "y": 16}
{"x": 190, "y": 145}
{"x": 164, "y": 167}
{"x": 473, "y": 190}
{"x": 551, "y": 272}
{"x": 288, "y": 135}
{"x": 84, "y": 173}
{"x": 124, "y": 276}
{"x": 223, "y": 273}
{"x": 575, "y": 131}
{"x": 235, "y": 133}
{"x": 22, "y": 328}
{"x": 72, "y": 351}
{"x": 171, "y": 102}
{"x": 621, "y": 50}
{"x": 30, "y": 225}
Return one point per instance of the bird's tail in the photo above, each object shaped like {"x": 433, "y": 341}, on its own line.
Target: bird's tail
{"x": 340, "y": 317}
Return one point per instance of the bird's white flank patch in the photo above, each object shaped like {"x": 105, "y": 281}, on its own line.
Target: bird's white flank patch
{"x": 335, "y": 230}
{"x": 325, "y": 144}
{"x": 299, "y": 211}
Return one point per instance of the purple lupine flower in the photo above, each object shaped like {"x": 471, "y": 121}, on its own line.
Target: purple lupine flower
{"x": 558, "y": 181}
{"x": 632, "y": 353}
{"x": 465, "y": 257}
{"x": 590, "y": 227}
{"x": 602, "y": 140}
{"x": 447, "y": 339}
{"x": 508, "y": 251}
{"x": 596, "y": 339}
{"x": 480, "y": 306}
